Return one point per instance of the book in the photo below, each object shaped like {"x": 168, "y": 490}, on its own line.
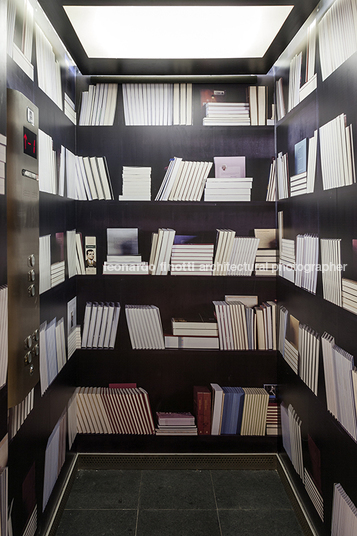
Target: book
{"x": 202, "y": 409}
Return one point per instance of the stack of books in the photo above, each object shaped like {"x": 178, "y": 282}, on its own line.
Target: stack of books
{"x": 122, "y": 410}
{"x": 123, "y": 253}
{"x": 226, "y": 113}
{"x": 228, "y": 189}
{"x": 191, "y": 259}
{"x": 136, "y": 184}
{"x": 145, "y": 328}
{"x": 337, "y": 153}
{"x": 160, "y": 255}
{"x": 266, "y": 262}
{"x": 349, "y": 295}
{"x": 287, "y": 259}
{"x": 100, "y": 325}
{"x": 98, "y": 105}
{"x": 180, "y": 423}
{"x": 303, "y": 182}
{"x": 273, "y": 427}
{"x": 184, "y": 180}
{"x": 197, "y": 333}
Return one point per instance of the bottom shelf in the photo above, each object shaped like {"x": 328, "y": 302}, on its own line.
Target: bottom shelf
{"x": 100, "y": 443}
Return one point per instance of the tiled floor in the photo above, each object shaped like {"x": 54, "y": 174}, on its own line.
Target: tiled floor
{"x": 178, "y": 503}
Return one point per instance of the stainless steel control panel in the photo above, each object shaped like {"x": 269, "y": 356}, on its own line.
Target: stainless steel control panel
{"x": 23, "y": 246}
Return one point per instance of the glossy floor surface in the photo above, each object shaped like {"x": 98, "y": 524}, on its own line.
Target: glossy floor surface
{"x": 178, "y": 503}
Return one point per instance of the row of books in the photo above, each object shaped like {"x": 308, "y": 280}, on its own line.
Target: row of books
{"x": 184, "y": 180}
{"x": 136, "y": 184}
{"x": 306, "y": 262}
{"x": 331, "y": 273}
{"x": 234, "y": 255}
{"x": 344, "y": 513}
{"x": 55, "y": 455}
{"x": 19, "y": 413}
{"x": 186, "y": 255}
{"x": 292, "y": 440}
{"x": 3, "y": 334}
{"x": 145, "y": 327}
{"x": 340, "y": 384}
{"x": 157, "y": 104}
{"x": 92, "y": 178}
{"x": 4, "y": 497}
{"x": 98, "y": 105}
{"x": 47, "y": 164}
{"x": 100, "y": 325}
{"x": 337, "y": 153}
{"x": 241, "y": 327}
{"x": 70, "y": 109}
{"x": 52, "y": 349}
{"x": 237, "y": 410}
{"x": 114, "y": 410}
{"x": 3, "y": 142}
{"x": 48, "y": 68}
{"x": 20, "y": 44}
{"x": 309, "y": 353}
{"x": 337, "y": 35}
{"x": 294, "y": 81}
{"x": 258, "y": 105}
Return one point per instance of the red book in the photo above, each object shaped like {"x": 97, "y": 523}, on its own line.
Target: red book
{"x": 202, "y": 409}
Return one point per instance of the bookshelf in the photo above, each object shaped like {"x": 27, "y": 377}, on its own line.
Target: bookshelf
{"x": 169, "y": 375}
{"x": 329, "y": 214}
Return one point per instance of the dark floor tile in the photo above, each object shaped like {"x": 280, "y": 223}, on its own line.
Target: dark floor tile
{"x": 259, "y": 522}
{"x": 175, "y": 489}
{"x": 249, "y": 489}
{"x": 178, "y": 523}
{"x": 97, "y": 523}
{"x": 114, "y": 489}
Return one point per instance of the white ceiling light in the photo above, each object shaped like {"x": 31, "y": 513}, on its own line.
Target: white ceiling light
{"x": 177, "y": 32}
